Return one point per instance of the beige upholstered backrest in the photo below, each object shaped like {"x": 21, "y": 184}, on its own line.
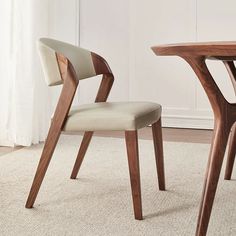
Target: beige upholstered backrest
{"x": 80, "y": 58}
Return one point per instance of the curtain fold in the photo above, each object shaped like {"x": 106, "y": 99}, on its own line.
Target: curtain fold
{"x": 25, "y": 103}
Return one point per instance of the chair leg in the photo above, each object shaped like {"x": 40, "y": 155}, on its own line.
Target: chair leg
{"x": 46, "y": 156}
{"x": 62, "y": 109}
{"x": 218, "y": 147}
{"x": 231, "y": 154}
{"x": 82, "y": 151}
{"x": 131, "y": 138}
{"x": 158, "y": 147}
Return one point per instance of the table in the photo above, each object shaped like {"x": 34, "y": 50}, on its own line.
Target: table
{"x": 196, "y": 54}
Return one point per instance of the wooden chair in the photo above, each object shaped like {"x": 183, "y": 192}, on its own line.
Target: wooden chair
{"x": 66, "y": 64}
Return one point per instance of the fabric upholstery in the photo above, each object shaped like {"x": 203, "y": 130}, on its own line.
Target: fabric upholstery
{"x": 112, "y": 116}
{"x": 80, "y": 58}
{"x": 49, "y": 64}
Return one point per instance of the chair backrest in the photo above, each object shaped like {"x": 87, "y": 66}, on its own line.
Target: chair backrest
{"x": 85, "y": 63}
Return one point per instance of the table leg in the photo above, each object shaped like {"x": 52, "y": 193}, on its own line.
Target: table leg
{"x": 230, "y": 66}
{"x": 231, "y": 154}
{"x": 216, "y": 156}
{"x": 224, "y": 114}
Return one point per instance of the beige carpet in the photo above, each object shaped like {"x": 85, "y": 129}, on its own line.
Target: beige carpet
{"x": 99, "y": 201}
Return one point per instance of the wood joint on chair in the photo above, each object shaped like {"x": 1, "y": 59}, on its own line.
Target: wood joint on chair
{"x": 62, "y": 64}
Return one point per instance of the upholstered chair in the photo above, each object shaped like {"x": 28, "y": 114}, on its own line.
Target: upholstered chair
{"x": 66, "y": 64}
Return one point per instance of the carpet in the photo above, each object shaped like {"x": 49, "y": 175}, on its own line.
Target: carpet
{"x": 99, "y": 201}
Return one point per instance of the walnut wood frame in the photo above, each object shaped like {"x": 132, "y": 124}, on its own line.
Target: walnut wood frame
{"x": 70, "y": 83}
{"x": 232, "y": 141}
{"x": 195, "y": 55}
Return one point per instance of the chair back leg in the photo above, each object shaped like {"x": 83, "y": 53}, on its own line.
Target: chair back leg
{"x": 82, "y": 151}
{"x": 158, "y": 148}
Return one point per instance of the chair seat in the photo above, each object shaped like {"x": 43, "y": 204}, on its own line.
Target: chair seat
{"x": 112, "y": 116}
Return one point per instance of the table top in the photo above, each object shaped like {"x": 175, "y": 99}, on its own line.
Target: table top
{"x": 223, "y": 50}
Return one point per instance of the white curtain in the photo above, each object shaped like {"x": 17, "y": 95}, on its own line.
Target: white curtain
{"x": 24, "y": 97}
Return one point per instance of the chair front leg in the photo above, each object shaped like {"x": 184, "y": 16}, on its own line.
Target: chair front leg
{"x": 46, "y": 156}
{"x": 82, "y": 151}
{"x": 158, "y": 147}
{"x": 131, "y": 138}
{"x": 62, "y": 109}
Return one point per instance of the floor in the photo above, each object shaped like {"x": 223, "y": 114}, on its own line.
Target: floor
{"x": 169, "y": 134}
{"x": 5, "y": 150}
{"x": 88, "y": 205}
{"x": 186, "y": 207}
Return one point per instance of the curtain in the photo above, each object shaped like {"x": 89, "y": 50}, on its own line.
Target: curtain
{"x": 25, "y": 103}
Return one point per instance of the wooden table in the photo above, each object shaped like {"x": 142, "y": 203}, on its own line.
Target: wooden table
{"x": 195, "y": 54}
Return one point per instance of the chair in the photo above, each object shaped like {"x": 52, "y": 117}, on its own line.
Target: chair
{"x": 66, "y": 64}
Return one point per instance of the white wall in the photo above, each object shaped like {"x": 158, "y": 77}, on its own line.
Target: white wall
{"x": 216, "y": 21}
{"x": 168, "y": 81}
{"x": 123, "y": 32}
{"x": 63, "y": 25}
{"x": 104, "y": 29}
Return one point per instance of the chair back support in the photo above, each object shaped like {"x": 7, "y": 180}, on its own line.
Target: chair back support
{"x": 85, "y": 63}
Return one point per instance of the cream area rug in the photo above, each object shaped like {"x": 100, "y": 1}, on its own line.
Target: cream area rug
{"x": 99, "y": 202}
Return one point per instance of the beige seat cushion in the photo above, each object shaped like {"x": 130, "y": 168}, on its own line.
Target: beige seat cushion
{"x": 112, "y": 116}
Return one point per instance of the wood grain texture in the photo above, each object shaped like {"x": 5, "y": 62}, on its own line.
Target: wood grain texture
{"x": 63, "y": 65}
{"x": 70, "y": 83}
{"x": 218, "y": 146}
{"x": 232, "y": 141}
{"x": 62, "y": 109}
{"x": 105, "y": 88}
{"x": 224, "y": 115}
{"x": 82, "y": 151}
{"x": 101, "y": 67}
{"x": 131, "y": 138}
{"x": 158, "y": 148}
{"x": 232, "y": 72}
{"x": 195, "y": 54}
{"x": 231, "y": 154}
{"x": 217, "y": 50}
